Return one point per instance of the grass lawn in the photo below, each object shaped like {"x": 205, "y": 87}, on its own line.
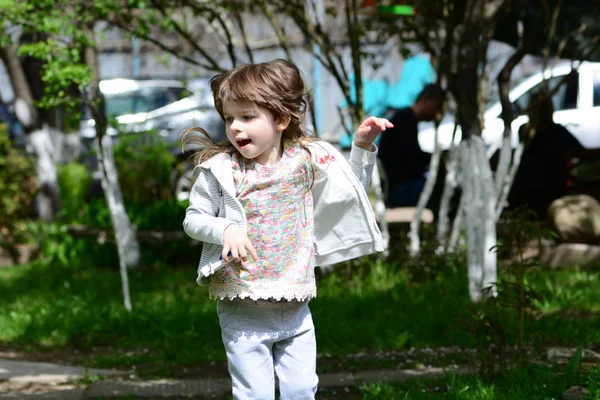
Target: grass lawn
{"x": 374, "y": 306}
{"x": 531, "y": 382}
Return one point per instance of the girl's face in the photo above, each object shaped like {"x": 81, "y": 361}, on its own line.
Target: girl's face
{"x": 253, "y": 131}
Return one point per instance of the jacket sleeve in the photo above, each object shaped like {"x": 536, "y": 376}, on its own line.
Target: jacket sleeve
{"x": 362, "y": 163}
{"x": 201, "y": 217}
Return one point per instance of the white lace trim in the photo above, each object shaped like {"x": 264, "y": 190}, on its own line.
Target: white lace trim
{"x": 287, "y": 292}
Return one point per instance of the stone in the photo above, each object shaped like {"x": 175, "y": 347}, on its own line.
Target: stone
{"x": 576, "y": 219}
{"x": 565, "y": 254}
{"x": 576, "y": 393}
{"x": 565, "y": 353}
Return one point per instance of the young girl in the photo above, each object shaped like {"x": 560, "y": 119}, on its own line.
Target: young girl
{"x": 271, "y": 204}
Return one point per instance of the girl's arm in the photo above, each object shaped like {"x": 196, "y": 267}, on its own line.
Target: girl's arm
{"x": 363, "y": 153}
{"x": 362, "y": 162}
{"x": 369, "y": 130}
{"x": 201, "y": 217}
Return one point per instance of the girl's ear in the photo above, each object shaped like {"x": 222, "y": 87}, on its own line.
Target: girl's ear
{"x": 283, "y": 122}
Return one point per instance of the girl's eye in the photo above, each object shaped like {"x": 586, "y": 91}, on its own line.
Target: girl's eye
{"x": 228, "y": 120}
{"x": 248, "y": 117}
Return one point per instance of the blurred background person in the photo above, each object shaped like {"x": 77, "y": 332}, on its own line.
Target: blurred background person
{"x": 404, "y": 163}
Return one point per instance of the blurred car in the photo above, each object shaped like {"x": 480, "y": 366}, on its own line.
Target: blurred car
{"x": 162, "y": 106}
{"x": 555, "y": 163}
{"x": 576, "y": 105}
{"x": 169, "y": 121}
{"x": 128, "y": 100}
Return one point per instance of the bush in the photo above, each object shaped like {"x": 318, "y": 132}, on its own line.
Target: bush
{"x": 144, "y": 164}
{"x": 144, "y": 168}
{"x": 18, "y": 188}
{"x": 75, "y": 182}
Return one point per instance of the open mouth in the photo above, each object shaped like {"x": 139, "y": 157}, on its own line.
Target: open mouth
{"x": 243, "y": 142}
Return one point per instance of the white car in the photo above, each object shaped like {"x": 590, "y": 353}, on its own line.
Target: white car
{"x": 139, "y": 106}
{"x": 129, "y": 100}
{"x": 576, "y": 104}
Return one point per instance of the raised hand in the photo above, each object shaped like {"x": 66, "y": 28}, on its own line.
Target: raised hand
{"x": 368, "y": 130}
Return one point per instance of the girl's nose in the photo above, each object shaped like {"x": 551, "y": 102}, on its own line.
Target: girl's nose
{"x": 235, "y": 125}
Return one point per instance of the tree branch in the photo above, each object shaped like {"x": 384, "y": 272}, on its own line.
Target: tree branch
{"x": 189, "y": 39}
{"x": 240, "y": 22}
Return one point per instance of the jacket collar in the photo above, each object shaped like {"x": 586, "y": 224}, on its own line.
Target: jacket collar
{"x": 220, "y": 166}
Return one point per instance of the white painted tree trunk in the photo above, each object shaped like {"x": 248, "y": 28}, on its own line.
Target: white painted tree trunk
{"x": 508, "y": 180}
{"x": 48, "y": 199}
{"x": 127, "y": 244}
{"x": 504, "y": 160}
{"x": 415, "y": 224}
{"x": 479, "y": 208}
{"x": 457, "y": 226}
{"x": 380, "y": 209}
{"x": 450, "y": 184}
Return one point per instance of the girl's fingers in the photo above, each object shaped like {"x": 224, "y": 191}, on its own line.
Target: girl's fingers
{"x": 243, "y": 255}
{"x": 252, "y": 251}
{"x": 225, "y": 253}
{"x": 234, "y": 254}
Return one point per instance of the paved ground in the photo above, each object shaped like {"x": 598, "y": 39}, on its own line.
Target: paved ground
{"x": 32, "y": 380}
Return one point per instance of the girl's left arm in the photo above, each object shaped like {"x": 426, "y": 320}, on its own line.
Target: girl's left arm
{"x": 363, "y": 154}
{"x": 369, "y": 130}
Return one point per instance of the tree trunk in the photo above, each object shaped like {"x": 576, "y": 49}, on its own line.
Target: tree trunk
{"x": 457, "y": 226}
{"x": 450, "y": 185}
{"x": 127, "y": 244}
{"x": 508, "y": 180}
{"x": 38, "y": 141}
{"x": 415, "y": 224}
{"x": 355, "y": 51}
{"x": 479, "y": 198}
{"x": 480, "y": 218}
{"x": 505, "y": 172}
{"x": 25, "y": 110}
{"x": 48, "y": 201}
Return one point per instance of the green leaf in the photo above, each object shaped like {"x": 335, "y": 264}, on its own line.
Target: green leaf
{"x": 573, "y": 366}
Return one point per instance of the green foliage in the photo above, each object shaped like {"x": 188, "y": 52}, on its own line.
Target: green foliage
{"x": 18, "y": 188}
{"x": 515, "y": 292}
{"x": 145, "y": 164}
{"x": 53, "y": 35}
{"x": 378, "y": 391}
{"x": 55, "y": 244}
{"x": 78, "y": 306}
{"x": 529, "y": 381}
{"x": 75, "y": 181}
{"x": 573, "y": 368}
{"x": 496, "y": 319}
{"x": 593, "y": 382}
{"x": 158, "y": 216}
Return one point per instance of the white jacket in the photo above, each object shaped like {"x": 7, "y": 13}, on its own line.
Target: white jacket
{"x": 344, "y": 223}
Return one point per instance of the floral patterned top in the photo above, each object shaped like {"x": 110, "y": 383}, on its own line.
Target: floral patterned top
{"x": 279, "y": 211}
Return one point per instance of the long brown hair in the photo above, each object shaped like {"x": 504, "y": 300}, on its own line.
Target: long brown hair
{"x": 275, "y": 85}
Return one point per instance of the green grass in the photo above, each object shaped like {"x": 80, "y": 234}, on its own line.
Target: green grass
{"x": 174, "y": 324}
{"x": 528, "y": 381}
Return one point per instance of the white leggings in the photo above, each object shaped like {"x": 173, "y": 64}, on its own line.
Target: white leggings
{"x": 263, "y": 338}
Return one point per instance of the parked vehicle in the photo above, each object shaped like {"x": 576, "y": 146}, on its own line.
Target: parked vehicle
{"x": 169, "y": 121}
{"x": 576, "y": 104}
{"x": 139, "y": 107}
{"x": 128, "y": 101}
